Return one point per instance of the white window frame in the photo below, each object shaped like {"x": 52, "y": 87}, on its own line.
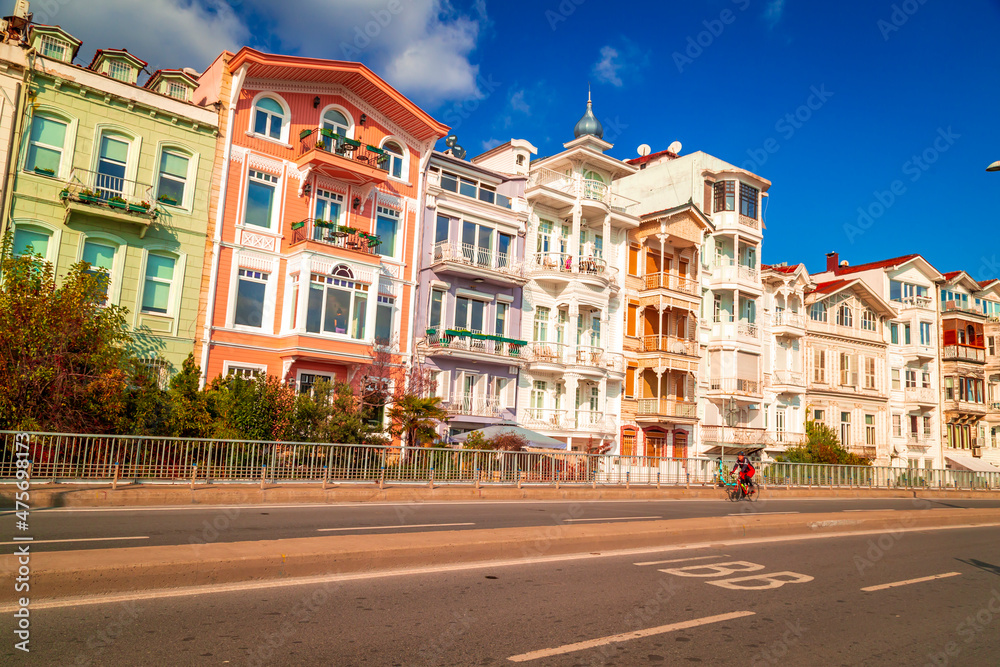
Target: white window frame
{"x": 274, "y": 180}
{"x": 267, "y": 308}
{"x": 69, "y": 140}
{"x": 172, "y": 87}
{"x": 187, "y": 204}
{"x": 386, "y": 212}
{"x": 120, "y": 67}
{"x": 386, "y": 300}
{"x": 117, "y": 269}
{"x": 40, "y": 227}
{"x": 176, "y": 282}
{"x": 50, "y": 41}
{"x": 329, "y": 281}
{"x": 329, "y": 196}
{"x": 405, "y": 170}
{"x": 134, "y": 142}
{"x": 347, "y": 114}
{"x": 285, "y": 119}
{"x": 233, "y": 368}
{"x": 317, "y": 375}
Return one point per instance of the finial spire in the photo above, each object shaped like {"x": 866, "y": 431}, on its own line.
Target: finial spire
{"x": 588, "y": 92}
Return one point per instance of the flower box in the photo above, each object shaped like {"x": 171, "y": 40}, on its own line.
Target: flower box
{"x": 324, "y": 224}
{"x": 138, "y": 208}
{"x": 167, "y": 200}
{"x": 42, "y": 171}
{"x": 299, "y": 225}
{"x": 118, "y": 203}
{"x": 90, "y": 199}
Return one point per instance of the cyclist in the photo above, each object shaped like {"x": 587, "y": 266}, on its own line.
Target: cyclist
{"x": 746, "y": 470}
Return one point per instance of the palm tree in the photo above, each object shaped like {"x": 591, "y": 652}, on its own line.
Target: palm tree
{"x": 416, "y": 417}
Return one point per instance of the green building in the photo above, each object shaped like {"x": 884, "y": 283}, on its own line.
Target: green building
{"x": 115, "y": 173}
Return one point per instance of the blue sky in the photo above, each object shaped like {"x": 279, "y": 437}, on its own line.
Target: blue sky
{"x": 889, "y": 107}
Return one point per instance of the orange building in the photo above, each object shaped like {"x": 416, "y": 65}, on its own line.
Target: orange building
{"x": 313, "y": 231}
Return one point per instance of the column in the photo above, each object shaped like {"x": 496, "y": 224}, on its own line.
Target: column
{"x": 305, "y": 276}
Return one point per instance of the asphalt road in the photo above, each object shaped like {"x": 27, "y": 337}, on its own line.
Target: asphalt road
{"x": 79, "y": 528}
{"x": 669, "y": 607}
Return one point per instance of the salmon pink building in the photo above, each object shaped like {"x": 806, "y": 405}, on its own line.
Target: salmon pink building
{"x": 314, "y": 232}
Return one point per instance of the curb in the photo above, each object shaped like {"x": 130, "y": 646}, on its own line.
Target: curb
{"x": 109, "y": 571}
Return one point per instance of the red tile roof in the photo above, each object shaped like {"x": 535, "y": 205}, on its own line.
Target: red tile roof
{"x": 831, "y": 286}
{"x": 950, "y": 274}
{"x": 895, "y": 261}
{"x": 99, "y": 52}
{"x": 780, "y": 269}
{"x": 646, "y": 158}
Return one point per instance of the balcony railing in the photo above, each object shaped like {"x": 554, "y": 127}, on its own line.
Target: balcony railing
{"x": 477, "y": 406}
{"x": 330, "y": 142}
{"x": 329, "y": 233}
{"x": 111, "y": 192}
{"x": 920, "y": 395}
{"x": 474, "y": 341}
{"x": 747, "y": 221}
{"x": 747, "y": 330}
{"x": 731, "y": 271}
{"x": 864, "y": 451}
{"x": 545, "y": 418}
{"x": 963, "y": 353}
{"x": 589, "y": 189}
{"x": 848, "y": 332}
{"x": 786, "y": 438}
{"x": 670, "y": 344}
{"x": 592, "y": 421}
{"x": 914, "y": 301}
{"x": 553, "y": 353}
{"x": 667, "y": 407}
{"x": 788, "y": 319}
{"x": 918, "y": 440}
{"x": 735, "y": 386}
{"x": 478, "y": 257}
{"x": 568, "y": 355}
{"x": 671, "y": 281}
{"x": 734, "y": 435}
{"x": 790, "y": 378}
{"x": 960, "y": 307}
{"x": 564, "y": 263}
{"x": 966, "y": 407}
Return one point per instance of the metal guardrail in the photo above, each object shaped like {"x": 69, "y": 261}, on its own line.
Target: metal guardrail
{"x": 62, "y": 457}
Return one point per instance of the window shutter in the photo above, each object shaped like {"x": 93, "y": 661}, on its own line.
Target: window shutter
{"x": 444, "y": 385}
{"x": 509, "y": 391}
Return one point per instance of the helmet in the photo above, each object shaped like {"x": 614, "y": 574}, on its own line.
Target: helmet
{"x": 740, "y": 458}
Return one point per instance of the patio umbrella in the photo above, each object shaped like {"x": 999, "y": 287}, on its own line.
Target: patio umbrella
{"x": 534, "y": 438}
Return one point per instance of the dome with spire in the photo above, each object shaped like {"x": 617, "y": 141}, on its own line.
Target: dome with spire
{"x": 589, "y": 123}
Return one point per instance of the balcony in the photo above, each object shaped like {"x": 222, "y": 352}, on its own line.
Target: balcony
{"x": 330, "y": 234}
{"x": 119, "y": 199}
{"x": 556, "y": 190}
{"x": 922, "y": 441}
{"x": 864, "y": 451}
{"x": 563, "y": 267}
{"x": 477, "y": 262}
{"x": 742, "y": 331}
{"x": 919, "y": 351}
{"x": 545, "y": 418}
{"x": 477, "y": 345}
{"x": 911, "y": 302}
{"x": 592, "y": 421}
{"x": 833, "y": 329}
{"x": 789, "y": 382}
{"x": 961, "y": 307}
{"x": 733, "y": 272}
{"x": 963, "y": 353}
{"x": 921, "y": 395}
{"x": 671, "y": 281}
{"x": 667, "y": 407}
{"x": 965, "y": 407}
{"x": 660, "y": 343}
{"x": 735, "y": 386}
{"x": 341, "y": 158}
{"x": 475, "y": 406}
{"x": 544, "y": 355}
{"x": 785, "y": 438}
{"x": 786, "y": 323}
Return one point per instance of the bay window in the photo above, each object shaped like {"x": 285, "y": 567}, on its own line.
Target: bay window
{"x": 337, "y": 304}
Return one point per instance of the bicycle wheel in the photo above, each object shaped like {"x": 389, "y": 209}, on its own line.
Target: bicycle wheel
{"x": 733, "y": 493}
{"x": 756, "y": 492}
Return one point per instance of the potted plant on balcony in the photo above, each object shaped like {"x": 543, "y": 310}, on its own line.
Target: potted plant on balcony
{"x": 118, "y": 202}
{"x": 141, "y": 207}
{"x": 89, "y": 196}
{"x": 64, "y": 194}
{"x": 167, "y": 199}
{"x": 320, "y": 145}
{"x": 42, "y": 171}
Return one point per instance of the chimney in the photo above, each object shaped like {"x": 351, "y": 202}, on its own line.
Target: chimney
{"x": 832, "y": 260}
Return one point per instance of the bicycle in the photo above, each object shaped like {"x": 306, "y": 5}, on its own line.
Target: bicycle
{"x": 743, "y": 491}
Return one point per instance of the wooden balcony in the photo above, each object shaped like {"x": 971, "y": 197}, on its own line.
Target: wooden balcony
{"x": 341, "y": 158}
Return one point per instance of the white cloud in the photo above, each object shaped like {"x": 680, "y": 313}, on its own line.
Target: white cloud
{"x": 422, "y": 47}
{"x": 773, "y": 12}
{"x": 607, "y": 68}
{"x": 517, "y": 102}
{"x": 490, "y": 143}
{"x": 165, "y": 33}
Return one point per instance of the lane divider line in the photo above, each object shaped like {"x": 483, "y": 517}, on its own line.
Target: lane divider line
{"x": 406, "y": 525}
{"x": 614, "y": 518}
{"x": 758, "y": 513}
{"x": 626, "y": 636}
{"x": 679, "y": 560}
{"x": 83, "y": 539}
{"x": 910, "y": 581}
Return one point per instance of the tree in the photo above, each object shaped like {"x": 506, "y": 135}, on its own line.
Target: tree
{"x": 822, "y": 446}
{"x": 262, "y": 408}
{"x": 415, "y": 417}
{"x": 190, "y": 415}
{"x": 333, "y": 413}
{"x": 64, "y": 362}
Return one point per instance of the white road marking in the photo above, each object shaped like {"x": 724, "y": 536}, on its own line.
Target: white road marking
{"x": 626, "y": 636}
{"x": 214, "y": 589}
{"x": 891, "y": 510}
{"x": 85, "y": 539}
{"x": 614, "y": 518}
{"x": 755, "y": 513}
{"x": 679, "y": 560}
{"x": 910, "y": 581}
{"x": 398, "y": 525}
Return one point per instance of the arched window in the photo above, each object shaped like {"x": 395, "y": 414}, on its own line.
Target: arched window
{"x": 343, "y": 271}
{"x": 337, "y": 122}
{"x": 845, "y": 317}
{"x": 269, "y": 118}
{"x": 397, "y": 159}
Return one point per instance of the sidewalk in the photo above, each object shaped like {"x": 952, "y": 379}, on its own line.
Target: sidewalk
{"x": 145, "y": 495}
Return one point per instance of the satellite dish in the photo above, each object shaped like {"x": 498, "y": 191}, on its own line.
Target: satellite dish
{"x": 644, "y": 150}
{"x": 450, "y": 141}
{"x": 458, "y": 152}
{"x": 675, "y": 148}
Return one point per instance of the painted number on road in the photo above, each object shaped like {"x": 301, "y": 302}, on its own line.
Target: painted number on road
{"x": 762, "y": 582}
{"x": 714, "y": 570}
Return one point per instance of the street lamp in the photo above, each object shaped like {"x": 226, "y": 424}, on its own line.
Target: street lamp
{"x": 994, "y": 167}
